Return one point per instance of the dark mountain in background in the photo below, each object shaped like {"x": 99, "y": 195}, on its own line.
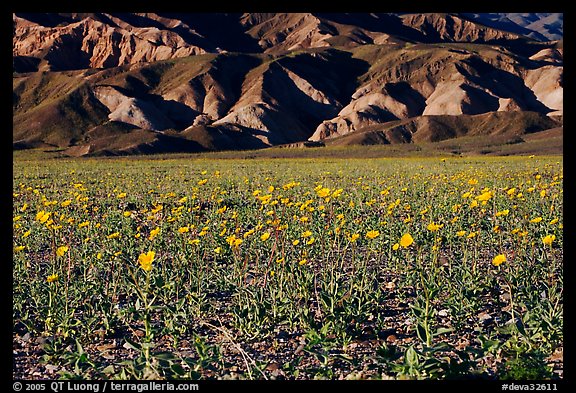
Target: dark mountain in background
{"x": 124, "y": 83}
{"x": 538, "y": 26}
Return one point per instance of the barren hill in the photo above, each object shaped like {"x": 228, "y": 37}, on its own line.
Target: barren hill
{"x": 140, "y": 83}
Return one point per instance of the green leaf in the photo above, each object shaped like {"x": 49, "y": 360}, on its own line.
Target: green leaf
{"x": 487, "y": 344}
{"x": 442, "y": 331}
{"x": 422, "y": 333}
{"x": 411, "y": 357}
{"x": 132, "y": 345}
{"x": 79, "y": 348}
{"x": 165, "y": 356}
{"x": 344, "y": 356}
{"x": 109, "y": 370}
{"x": 177, "y": 369}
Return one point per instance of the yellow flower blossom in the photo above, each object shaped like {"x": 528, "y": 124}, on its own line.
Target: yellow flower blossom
{"x": 548, "y": 239}
{"x": 113, "y": 235}
{"x": 153, "y": 233}
{"x": 432, "y": 227}
{"x": 42, "y": 216}
{"x": 372, "y": 234}
{"x": 61, "y": 251}
{"x": 145, "y": 260}
{"x": 406, "y": 240}
{"x": 499, "y": 259}
{"x": 265, "y": 236}
{"x": 485, "y": 196}
{"x": 337, "y": 193}
{"x": 52, "y": 278}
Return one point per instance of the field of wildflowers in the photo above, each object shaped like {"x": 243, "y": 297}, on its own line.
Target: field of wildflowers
{"x": 422, "y": 268}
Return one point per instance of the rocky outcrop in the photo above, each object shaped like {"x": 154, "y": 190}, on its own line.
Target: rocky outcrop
{"x": 103, "y": 40}
{"x": 451, "y": 28}
{"x": 136, "y": 82}
{"x": 446, "y": 82}
{"x": 546, "y": 83}
{"x": 90, "y": 43}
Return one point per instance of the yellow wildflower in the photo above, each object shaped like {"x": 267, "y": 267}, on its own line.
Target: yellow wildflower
{"x": 499, "y": 259}
{"x": 153, "y": 233}
{"x": 432, "y": 227}
{"x": 61, "y": 251}
{"x": 485, "y": 196}
{"x": 548, "y": 239}
{"x": 145, "y": 260}
{"x": 406, "y": 240}
{"x": 113, "y": 235}
{"x": 52, "y": 278}
{"x": 42, "y": 216}
{"x": 372, "y": 234}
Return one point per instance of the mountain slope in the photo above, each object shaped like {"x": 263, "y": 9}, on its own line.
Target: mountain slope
{"x": 538, "y": 26}
{"x": 139, "y": 83}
